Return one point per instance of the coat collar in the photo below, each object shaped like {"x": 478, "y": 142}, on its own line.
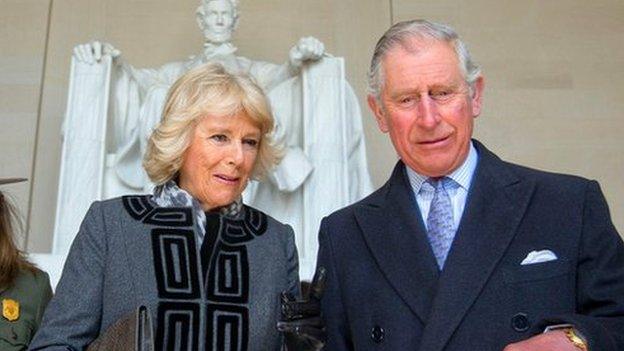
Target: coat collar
{"x": 495, "y": 205}
{"x": 170, "y": 195}
{"x": 393, "y": 230}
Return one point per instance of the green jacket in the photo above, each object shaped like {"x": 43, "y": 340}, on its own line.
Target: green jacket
{"x": 32, "y": 291}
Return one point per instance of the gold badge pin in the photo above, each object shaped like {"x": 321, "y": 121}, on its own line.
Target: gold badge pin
{"x": 10, "y": 309}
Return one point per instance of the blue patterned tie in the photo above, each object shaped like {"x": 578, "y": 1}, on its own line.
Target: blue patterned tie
{"x": 440, "y": 220}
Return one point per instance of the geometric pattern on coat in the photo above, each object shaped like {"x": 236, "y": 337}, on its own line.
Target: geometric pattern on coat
{"x": 224, "y": 273}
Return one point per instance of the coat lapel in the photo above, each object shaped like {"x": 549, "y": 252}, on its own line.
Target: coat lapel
{"x": 393, "y": 230}
{"x": 496, "y": 203}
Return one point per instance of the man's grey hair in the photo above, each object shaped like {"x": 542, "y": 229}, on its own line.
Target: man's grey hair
{"x": 401, "y": 33}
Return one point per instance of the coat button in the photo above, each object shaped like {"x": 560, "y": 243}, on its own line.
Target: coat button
{"x": 520, "y": 322}
{"x": 377, "y": 334}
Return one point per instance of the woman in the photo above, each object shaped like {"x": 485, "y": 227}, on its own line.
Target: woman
{"x": 24, "y": 289}
{"x": 209, "y": 268}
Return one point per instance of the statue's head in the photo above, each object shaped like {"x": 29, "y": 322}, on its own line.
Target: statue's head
{"x": 217, "y": 19}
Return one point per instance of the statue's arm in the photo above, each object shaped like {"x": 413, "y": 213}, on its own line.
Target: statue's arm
{"x": 270, "y": 75}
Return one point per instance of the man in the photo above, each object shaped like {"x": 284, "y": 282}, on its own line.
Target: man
{"x": 460, "y": 250}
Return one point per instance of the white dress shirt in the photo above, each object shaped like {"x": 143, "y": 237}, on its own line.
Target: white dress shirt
{"x": 458, "y": 191}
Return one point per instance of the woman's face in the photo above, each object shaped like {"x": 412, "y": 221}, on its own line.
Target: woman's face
{"x": 220, "y": 159}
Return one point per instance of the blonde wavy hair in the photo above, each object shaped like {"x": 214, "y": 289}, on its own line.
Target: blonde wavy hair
{"x": 207, "y": 90}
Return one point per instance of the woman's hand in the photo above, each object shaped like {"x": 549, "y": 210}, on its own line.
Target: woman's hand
{"x": 301, "y": 320}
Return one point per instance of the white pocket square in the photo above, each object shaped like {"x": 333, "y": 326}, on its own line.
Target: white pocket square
{"x": 538, "y": 257}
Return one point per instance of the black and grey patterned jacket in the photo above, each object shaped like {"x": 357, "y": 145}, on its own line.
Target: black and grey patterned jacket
{"x": 132, "y": 251}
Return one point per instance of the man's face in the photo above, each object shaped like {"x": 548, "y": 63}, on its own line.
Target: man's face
{"x": 427, "y": 106}
{"x": 218, "y": 21}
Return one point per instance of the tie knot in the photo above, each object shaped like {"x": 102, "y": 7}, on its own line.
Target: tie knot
{"x": 440, "y": 182}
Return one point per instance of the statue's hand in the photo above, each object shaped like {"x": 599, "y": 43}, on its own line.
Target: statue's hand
{"x": 93, "y": 52}
{"x": 307, "y": 49}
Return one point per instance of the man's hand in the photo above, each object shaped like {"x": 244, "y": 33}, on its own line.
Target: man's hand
{"x": 307, "y": 49}
{"x": 93, "y": 52}
{"x": 555, "y": 340}
{"x": 301, "y": 320}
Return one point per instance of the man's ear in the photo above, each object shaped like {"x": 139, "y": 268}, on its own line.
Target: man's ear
{"x": 477, "y": 96}
{"x": 379, "y": 113}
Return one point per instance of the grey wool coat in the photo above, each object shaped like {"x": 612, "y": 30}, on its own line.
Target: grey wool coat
{"x": 131, "y": 252}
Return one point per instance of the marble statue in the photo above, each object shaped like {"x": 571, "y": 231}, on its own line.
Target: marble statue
{"x": 114, "y": 106}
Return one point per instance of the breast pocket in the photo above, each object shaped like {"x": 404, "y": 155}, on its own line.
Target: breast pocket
{"x": 536, "y": 271}
{"x": 15, "y": 335}
{"x": 540, "y": 290}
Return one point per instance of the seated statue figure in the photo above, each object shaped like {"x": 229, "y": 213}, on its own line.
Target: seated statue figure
{"x": 324, "y": 165}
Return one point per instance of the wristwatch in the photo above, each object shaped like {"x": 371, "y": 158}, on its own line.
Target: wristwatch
{"x": 575, "y": 339}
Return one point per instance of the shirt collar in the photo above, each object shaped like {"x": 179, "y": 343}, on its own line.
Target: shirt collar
{"x": 462, "y": 175}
